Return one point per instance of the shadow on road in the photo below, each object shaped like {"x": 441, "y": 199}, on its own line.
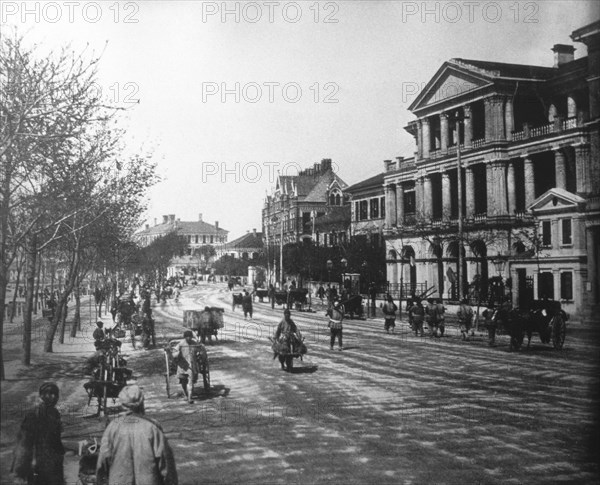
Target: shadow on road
{"x": 304, "y": 370}
{"x": 215, "y": 391}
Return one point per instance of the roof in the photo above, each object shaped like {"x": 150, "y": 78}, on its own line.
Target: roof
{"x": 250, "y": 240}
{"x": 183, "y": 227}
{"x": 371, "y": 182}
{"x": 310, "y": 187}
{"x": 505, "y": 70}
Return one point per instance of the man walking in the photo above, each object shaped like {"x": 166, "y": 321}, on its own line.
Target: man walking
{"x": 465, "y": 318}
{"x": 336, "y": 316}
{"x": 134, "y": 449}
{"x": 39, "y": 454}
{"x": 247, "y": 304}
{"x": 186, "y": 353}
{"x": 389, "y": 313}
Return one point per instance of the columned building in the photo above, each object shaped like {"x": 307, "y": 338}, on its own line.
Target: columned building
{"x": 519, "y": 143}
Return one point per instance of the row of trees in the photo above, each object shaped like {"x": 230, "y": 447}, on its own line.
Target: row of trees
{"x": 66, "y": 187}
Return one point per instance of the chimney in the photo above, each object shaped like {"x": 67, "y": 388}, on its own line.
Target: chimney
{"x": 563, "y": 53}
{"x": 399, "y": 161}
{"x": 155, "y": 221}
{"x": 325, "y": 165}
{"x": 172, "y": 218}
{"x": 165, "y": 219}
{"x": 254, "y": 231}
{"x": 200, "y": 217}
{"x": 217, "y": 225}
{"x": 147, "y": 226}
{"x": 389, "y": 166}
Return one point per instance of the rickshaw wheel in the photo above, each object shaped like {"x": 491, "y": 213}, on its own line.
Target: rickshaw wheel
{"x": 559, "y": 329}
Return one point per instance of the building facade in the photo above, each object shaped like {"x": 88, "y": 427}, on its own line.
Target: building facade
{"x": 291, "y": 210}
{"x": 197, "y": 233}
{"x": 525, "y": 141}
{"x": 367, "y": 200}
{"x": 249, "y": 246}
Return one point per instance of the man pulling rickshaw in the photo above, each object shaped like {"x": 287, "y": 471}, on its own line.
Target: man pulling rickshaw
{"x": 288, "y": 342}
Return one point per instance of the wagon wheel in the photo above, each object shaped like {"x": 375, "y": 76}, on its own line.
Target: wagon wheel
{"x": 559, "y": 329}
{"x": 206, "y": 376}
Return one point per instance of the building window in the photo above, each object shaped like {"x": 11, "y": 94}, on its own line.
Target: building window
{"x": 545, "y": 285}
{"x": 566, "y": 286}
{"x": 546, "y": 233}
{"x": 363, "y": 210}
{"x": 567, "y": 233}
{"x": 196, "y": 239}
{"x": 382, "y": 205}
{"x": 212, "y": 239}
{"x": 374, "y": 208}
{"x": 204, "y": 239}
{"x": 356, "y": 210}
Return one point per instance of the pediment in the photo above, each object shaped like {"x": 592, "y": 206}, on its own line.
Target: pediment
{"x": 448, "y": 83}
{"x": 555, "y": 200}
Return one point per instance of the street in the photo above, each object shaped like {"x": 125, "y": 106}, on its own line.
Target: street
{"x": 389, "y": 408}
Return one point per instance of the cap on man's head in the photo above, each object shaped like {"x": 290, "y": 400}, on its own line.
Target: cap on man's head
{"x": 131, "y": 396}
{"x": 188, "y": 333}
{"x": 48, "y": 386}
{"x": 287, "y": 311}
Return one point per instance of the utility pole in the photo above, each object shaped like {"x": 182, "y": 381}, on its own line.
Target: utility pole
{"x": 281, "y": 254}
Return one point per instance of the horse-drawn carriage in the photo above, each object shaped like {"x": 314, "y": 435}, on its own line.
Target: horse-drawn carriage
{"x": 353, "y": 306}
{"x": 544, "y": 317}
{"x": 293, "y": 298}
{"x": 171, "y": 362}
{"x": 205, "y": 323}
{"x": 109, "y": 374}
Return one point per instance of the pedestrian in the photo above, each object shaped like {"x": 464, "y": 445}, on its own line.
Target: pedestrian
{"x": 321, "y": 293}
{"x": 440, "y": 318}
{"x": 465, "y": 318}
{"x": 490, "y": 323}
{"x": 336, "y": 317}
{"x": 288, "y": 339}
{"x": 272, "y": 295}
{"x": 409, "y": 304}
{"x": 373, "y": 296}
{"x": 134, "y": 448}
{"x": 186, "y": 354}
{"x": 99, "y": 335}
{"x": 430, "y": 311}
{"x": 247, "y": 304}
{"x": 417, "y": 311}
{"x": 389, "y": 314}
{"x": 39, "y": 453}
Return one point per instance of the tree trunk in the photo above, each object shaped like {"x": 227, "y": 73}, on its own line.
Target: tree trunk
{"x": 77, "y": 317}
{"x": 37, "y": 285}
{"x": 63, "y": 321}
{"x": 30, "y": 285}
{"x": 13, "y": 306}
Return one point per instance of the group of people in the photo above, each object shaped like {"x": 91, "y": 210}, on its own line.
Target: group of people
{"x": 133, "y": 449}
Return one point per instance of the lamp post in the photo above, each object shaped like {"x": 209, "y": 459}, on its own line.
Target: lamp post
{"x": 500, "y": 263}
{"x": 461, "y": 277}
{"x": 329, "y": 268}
{"x": 344, "y": 263}
{"x": 274, "y": 220}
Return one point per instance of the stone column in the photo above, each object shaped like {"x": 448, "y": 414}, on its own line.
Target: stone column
{"x": 444, "y": 132}
{"x": 394, "y": 214}
{"x": 496, "y": 185}
{"x": 468, "y": 126}
{"x": 510, "y": 187}
{"x": 508, "y": 118}
{"x": 560, "y": 169}
{"x": 591, "y": 241}
{"x": 494, "y": 118}
{"x": 419, "y": 197}
{"x": 556, "y": 278}
{"x": 427, "y": 206}
{"x": 582, "y": 168}
{"x": 419, "y": 139}
{"x": 529, "y": 176}
{"x": 426, "y": 137}
{"x": 388, "y": 205}
{"x": 400, "y": 203}
{"x": 469, "y": 193}
{"x": 446, "y": 200}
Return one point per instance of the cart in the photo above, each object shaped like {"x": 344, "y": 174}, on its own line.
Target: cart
{"x": 171, "y": 365}
{"x": 205, "y": 323}
{"x": 109, "y": 376}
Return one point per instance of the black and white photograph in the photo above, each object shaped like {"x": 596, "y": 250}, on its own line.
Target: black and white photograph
{"x": 299, "y": 242}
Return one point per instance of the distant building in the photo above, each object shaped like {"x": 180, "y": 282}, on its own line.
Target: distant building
{"x": 197, "y": 233}
{"x": 249, "y": 246}
{"x": 297, "y": 201}
{"x": 367, "y": 200}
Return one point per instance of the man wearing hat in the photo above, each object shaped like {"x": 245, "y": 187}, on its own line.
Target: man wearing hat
{"x": 186, "y": 353}
{"x": 336, "y": 317}
{"x": 134, "y": 449}
{"x": 38, "y": 456}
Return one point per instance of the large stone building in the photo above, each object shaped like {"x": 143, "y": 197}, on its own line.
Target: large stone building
{"x": 249, "y": 246}
{"x": 197, "y": 233}
{"x": 527, "y": 143}
{"x": 296, "y": 201}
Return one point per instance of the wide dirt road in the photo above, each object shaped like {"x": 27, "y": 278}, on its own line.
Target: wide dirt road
{"x": 388, "y": 409}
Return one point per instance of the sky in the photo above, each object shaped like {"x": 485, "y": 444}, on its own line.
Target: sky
{"x": 228, "y": 94}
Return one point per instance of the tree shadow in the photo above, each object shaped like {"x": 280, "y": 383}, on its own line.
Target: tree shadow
{"x": 214, "y": 392}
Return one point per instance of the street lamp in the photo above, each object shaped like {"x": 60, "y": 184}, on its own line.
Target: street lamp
{"x": 274, "y": 220}
{"x": 329, "y": 268}
{"x": 500, "y": 263}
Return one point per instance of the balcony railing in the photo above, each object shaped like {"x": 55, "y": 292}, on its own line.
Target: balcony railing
{"x": 479, "y": 142}
{"x": 557, "y": 126}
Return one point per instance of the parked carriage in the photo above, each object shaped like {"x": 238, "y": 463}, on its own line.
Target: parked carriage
{"x": 544, "y": 317}
{"x": 353, "y": 305}
{"x": 109, "y": 374}
{"x": 294, "y": 298}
